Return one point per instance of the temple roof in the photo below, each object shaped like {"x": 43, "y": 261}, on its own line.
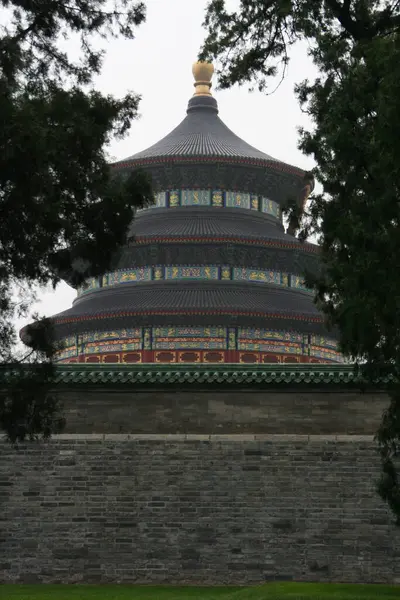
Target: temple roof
{"x": 207, "y": 222}
{"x": 228, "y": 295}
{"x": 248, "y": 304}
{"x": 203, "y": 151}
{"x": 202, "y": 133}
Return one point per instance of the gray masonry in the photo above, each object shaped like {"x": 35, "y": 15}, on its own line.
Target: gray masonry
{"x": 180, "y": 505}
{"x": 306, "y": 411}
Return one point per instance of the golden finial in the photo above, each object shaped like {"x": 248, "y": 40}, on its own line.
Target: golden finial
{"x": 202, "y": 73}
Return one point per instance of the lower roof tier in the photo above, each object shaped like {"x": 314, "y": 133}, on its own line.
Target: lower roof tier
{"x": 223, "y": 303}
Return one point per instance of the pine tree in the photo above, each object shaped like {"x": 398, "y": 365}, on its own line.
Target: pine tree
{"x": 60, "y": 207}
{"x": 355, "y": 113}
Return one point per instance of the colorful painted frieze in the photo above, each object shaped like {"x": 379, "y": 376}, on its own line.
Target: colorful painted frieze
{"x": 267, "y": 334}
{"x": 232, "y": 338}
{"x": 217, "y": 198}
{"x": 129, "y": 275}
{"x": 318, "y": 340}
{"x": 225, "y": 273}
{"x": 174, "y": 198}
{"x": 67, "y": 342}
{"x": 199, "y": 338}
{"x": 158, "y": 273}
{"x": 195, "y": 197}
{"x": 189, "y": 332}
{"x": 161, "y": 199}
{"x": 112, "y": 346}
{"x": 270, "y": 346}
{"x": 66, "y": 353}
{"x": 285, "y": 279}
{"x": 296, "y": 281}
{"x": 89, "y": 285}
{"x": 185, "y": 343}
{"x": 117, "y": 334}
{"x": 113, "y": 278}
{"x": 270, "y": 207}
{"x": 237, "y": 199}
{"x": 191, "y": 273}
{"x": 244, "y": 274}
{"x": 147, "y": 338}
{"x": 254, "y": 202}
{"x": 326, "y": 354}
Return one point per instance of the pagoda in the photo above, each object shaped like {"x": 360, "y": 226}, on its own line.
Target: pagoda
{"x": 208, "y": 274}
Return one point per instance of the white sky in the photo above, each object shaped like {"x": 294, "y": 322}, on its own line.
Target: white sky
{"x": 157, "y": 65}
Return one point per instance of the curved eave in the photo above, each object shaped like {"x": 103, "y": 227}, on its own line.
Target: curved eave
{"x": 207, "y": 221}
{"x": 194, "y": 297}
{"x": 231, "y": 160}
{"x": 294, "y": 181}
{"x": 85, "y": 317}
{"x": 308, "y": 318}
{"x": 188, "y": 303}
{"x": 138, "y": 240}
{"x": 271, "y": 243}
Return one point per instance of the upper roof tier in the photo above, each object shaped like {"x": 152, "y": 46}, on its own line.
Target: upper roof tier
{"x": 203, "y": 136}
{"x": 202, "y": 133}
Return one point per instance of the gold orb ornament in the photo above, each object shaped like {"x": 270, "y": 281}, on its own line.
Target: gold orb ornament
{"x": 202, "y": 73}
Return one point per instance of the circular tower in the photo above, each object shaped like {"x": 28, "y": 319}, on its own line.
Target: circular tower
{"x": 209, "y": 274}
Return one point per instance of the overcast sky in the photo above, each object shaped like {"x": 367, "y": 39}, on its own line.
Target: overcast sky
{"x": 157, "y": 65}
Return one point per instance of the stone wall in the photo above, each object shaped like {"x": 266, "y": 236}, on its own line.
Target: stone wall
{"x": 194, "y": 509}
{"x": 305, "y": 411}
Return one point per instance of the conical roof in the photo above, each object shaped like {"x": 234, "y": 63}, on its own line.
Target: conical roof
{"x": 202, "y": 133}
{"x": 203, "y": 138}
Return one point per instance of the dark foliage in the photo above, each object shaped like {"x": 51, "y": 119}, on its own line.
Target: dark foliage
{"x": 354, "y": 108}
{"x": 61, "y": 209}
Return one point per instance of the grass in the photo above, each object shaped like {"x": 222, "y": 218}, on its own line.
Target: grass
{"x": 270, "y": 591}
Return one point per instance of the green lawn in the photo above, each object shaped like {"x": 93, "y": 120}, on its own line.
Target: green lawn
{"x": 271, "y": 591}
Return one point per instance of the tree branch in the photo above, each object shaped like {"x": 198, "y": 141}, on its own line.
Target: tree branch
{"x": 342, "y": 13}
{"x": 386, "y": 23}
{"x": 24, "y": 32}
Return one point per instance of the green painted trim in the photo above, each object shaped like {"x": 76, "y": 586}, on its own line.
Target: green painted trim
{"x": 204, "y": 375}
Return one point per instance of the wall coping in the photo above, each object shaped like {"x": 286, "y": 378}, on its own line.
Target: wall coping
{"x": 183, "y": 437}
{"x": 201, "y": 375}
